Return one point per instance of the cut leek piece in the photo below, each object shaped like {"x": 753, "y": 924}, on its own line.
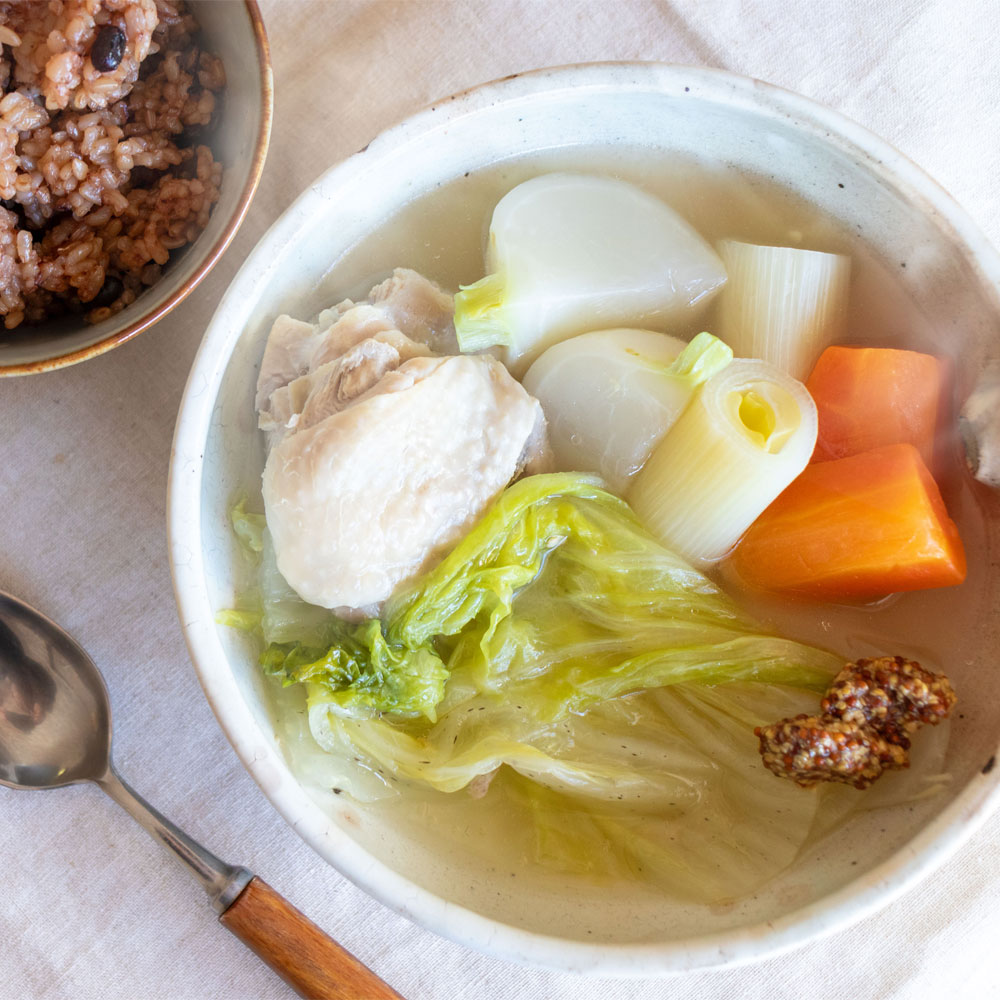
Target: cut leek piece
{"x": 571, "y": 253}
{"x": 781, "y": 304}
{"x": 609, "y": 396}
{"x": 747, "y": 433}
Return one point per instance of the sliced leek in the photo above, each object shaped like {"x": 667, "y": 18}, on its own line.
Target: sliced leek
{"x": 609, "y": 396}
{"x": 781, "y": 304}
{"x": 746, "y": 434}
{"x": 570, "y": 253}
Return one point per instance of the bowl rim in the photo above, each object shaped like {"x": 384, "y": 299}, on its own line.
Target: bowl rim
{"x": 263, "y": 53}
{"x": 927, "y": 850}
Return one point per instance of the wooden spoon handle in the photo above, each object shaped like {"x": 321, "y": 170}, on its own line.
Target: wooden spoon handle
{"x": 313, "y": 964}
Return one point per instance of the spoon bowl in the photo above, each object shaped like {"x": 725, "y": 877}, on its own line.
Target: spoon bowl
{"x": 55, "y": 715}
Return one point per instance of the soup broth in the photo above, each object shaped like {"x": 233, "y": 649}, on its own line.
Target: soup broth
{"x": 441, "y": 235}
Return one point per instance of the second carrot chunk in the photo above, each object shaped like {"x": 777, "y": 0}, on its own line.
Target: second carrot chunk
{"x": 855, "y": 528}
{"x": 867, "y": 397}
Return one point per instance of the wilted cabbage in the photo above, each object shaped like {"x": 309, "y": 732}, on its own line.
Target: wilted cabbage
{"x": 559, "y": 639}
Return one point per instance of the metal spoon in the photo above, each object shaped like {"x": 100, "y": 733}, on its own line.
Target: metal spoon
{"x": 55, "y": 730}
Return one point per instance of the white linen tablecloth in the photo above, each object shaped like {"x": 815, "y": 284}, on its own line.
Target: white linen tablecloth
{"x": 90, "y": 907}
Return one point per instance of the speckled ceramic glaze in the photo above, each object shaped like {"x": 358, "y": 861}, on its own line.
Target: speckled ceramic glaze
{"x": 896, "y": 215}
{"x": 235, "y": 32}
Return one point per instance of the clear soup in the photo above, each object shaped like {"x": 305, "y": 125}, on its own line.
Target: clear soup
{"x": 442, "y": 236}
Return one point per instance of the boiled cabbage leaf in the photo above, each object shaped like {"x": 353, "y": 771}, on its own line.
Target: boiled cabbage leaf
{"x": 557, "y": 602}
{"x": 565, "y": 664}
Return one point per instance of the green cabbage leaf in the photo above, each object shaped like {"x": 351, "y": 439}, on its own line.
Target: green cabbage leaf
{"x": 556, "y": 603}
{"x": 596, "y": 689}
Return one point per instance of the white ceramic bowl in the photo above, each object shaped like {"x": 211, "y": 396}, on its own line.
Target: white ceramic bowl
{"x": 435, "y": 175}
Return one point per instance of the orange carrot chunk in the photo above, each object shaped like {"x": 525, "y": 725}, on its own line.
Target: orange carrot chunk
{"x": 867, "y": 397}
{"x": 855, "y": 529}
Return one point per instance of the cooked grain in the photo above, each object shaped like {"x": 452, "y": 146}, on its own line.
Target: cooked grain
{"x": 79, "y": 214}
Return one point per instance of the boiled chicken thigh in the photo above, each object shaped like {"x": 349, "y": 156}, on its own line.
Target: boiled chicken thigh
{"x": 372, "y": 494}
{"x": 381, "y": 452}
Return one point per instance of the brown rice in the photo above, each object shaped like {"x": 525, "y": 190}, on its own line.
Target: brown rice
{"x": 103, "y": 168}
